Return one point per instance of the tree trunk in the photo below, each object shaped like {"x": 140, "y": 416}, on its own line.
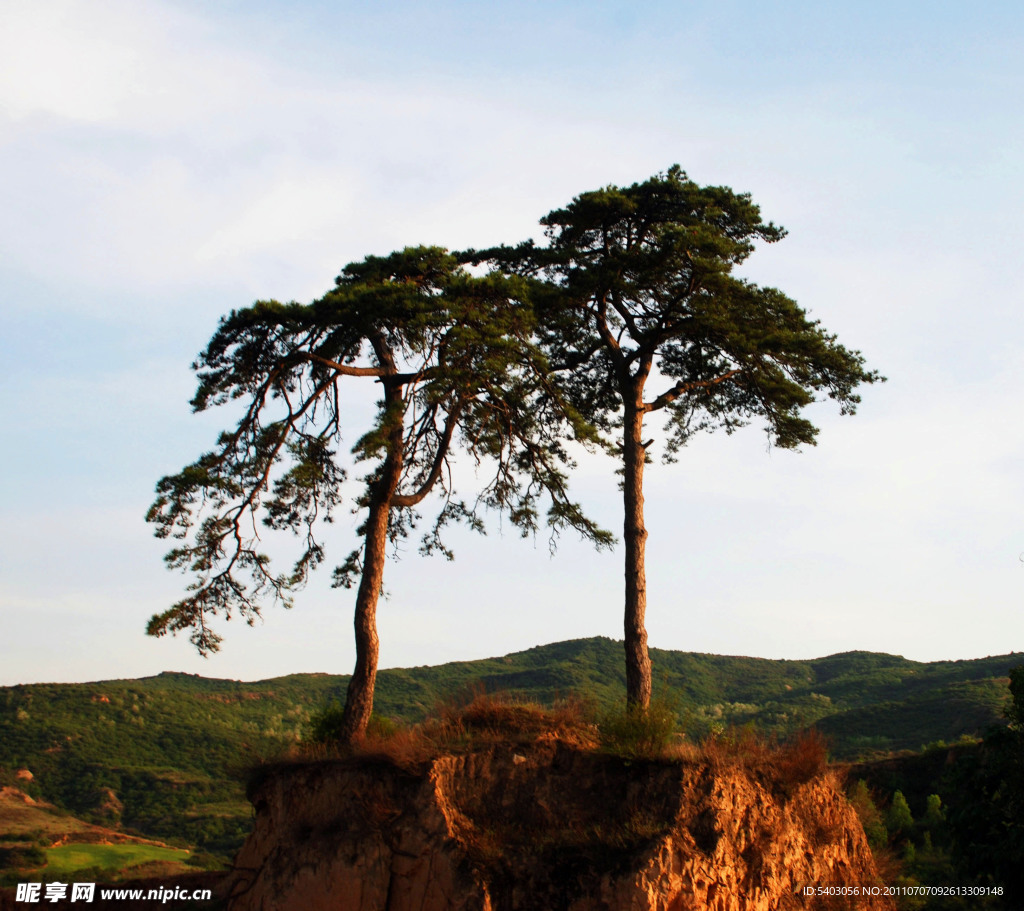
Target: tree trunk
{"x": 359, "y": 697}
{"x": 638, "y": 662}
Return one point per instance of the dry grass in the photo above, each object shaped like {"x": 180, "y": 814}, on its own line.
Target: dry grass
{"x": 786, "y": 766}
{"x": 460, "y": 726}
{"x": 479, "y": 719}
{"x": 507, "y": 718}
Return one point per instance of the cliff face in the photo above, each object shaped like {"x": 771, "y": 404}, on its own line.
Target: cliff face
{"x": 547, "y": 826}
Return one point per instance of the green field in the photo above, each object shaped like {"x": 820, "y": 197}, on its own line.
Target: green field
{"x": 69, "y": 858}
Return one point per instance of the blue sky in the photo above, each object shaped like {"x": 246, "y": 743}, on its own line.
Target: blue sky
{"x": 162, "y": 163}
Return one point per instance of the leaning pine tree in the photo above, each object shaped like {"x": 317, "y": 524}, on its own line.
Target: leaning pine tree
{"x": 640, "y": 293}
{"x": 457, "y": 371}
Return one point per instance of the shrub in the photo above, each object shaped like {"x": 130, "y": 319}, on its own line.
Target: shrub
{"x": 637, "y": 734}
{"x": 803, "y": 757}
{"x": 325, "y": 725}
{"x": 869, "y": 814}
{"x": 898, "y": 819}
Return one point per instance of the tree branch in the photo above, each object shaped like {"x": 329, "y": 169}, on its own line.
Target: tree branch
{"x": 343, "y": 369}
{"x": 681, "y": 388}
{"x": 406, "y": 500}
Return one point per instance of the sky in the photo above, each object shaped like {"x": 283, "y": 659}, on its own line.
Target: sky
{"x": 162, "y": 163}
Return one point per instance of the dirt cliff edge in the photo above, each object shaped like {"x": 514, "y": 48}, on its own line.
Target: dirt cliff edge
{"x": 548, "y": 826}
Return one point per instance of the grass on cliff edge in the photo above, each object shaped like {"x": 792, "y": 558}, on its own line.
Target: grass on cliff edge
{"x": 480, "y": 720}
{"x": 456, "y": 726}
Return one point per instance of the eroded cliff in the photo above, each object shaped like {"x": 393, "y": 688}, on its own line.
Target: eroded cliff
{"x": 548, "y": 825}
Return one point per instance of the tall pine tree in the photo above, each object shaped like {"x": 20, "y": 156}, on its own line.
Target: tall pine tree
{"x": 453, "y": 360}
{"x": 640, "y": 294}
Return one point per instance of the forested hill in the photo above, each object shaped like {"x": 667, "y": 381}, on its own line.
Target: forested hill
{"x": 170, "y": 746}
{"x": 865, "y": 701}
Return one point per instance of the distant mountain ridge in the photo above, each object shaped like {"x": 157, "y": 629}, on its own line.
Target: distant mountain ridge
{"x": 171, "y": 746}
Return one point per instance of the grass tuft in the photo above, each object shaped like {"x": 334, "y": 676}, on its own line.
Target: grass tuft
{"x": 635, "y": 733}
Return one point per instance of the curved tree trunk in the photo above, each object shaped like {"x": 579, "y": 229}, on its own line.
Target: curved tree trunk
{"x": 359, "y": 697}
{"x": 634, "y": 533}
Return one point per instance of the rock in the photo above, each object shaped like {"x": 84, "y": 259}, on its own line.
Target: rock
{"x": 15, "y": 795}
{"x": 109, "y": 804}
{"x": 566, "y": 828}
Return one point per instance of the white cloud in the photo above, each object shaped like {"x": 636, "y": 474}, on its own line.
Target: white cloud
{"x": 288, "y": 213}
{"x": 118, "y": 63}
{"x": 68, "y": 59}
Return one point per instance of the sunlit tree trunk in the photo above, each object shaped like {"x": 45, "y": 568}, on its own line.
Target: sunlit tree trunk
{"x": 359, "y": 698}
{"x": 634, "y": 533}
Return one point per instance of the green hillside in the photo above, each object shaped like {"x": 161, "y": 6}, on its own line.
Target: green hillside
{"x": 168, "y": 747}
{"x": 163, "y": 755}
